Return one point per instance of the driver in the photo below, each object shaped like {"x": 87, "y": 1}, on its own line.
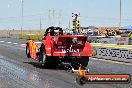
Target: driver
{"x": 51, "y": 31}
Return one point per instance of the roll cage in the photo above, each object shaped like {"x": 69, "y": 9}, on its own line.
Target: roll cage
{"x": 52, "y": 31}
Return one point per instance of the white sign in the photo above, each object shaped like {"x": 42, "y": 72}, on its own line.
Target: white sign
{"x": 113, "y": 54}
{"x": 122, "y": 40}
{"x": 126, "y": 54}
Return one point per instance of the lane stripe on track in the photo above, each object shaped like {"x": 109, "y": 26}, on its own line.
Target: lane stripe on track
{"x": 2, "y": 41}
{"x": 110, "y": 61}
{"x": 9, "y": 42}
{"x": 22, "y": 44}
{"x": 15, "y": 43}
{"x": 38, "y": 42}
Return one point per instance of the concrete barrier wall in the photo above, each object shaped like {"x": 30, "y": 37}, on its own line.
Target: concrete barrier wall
{"x": 113, "y": 52}
{"x": 110, "y": 40}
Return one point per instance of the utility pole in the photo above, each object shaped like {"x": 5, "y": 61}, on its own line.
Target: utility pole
{"x": 22, "y": 15}
{"x": 69, "y": 25}
{"x": 53, "y": 17}
{"x": 49, "y": 17}
{"x": 120, "y": 14}
{"x": 40, "y": 24}
{"x": 59, "y": 18}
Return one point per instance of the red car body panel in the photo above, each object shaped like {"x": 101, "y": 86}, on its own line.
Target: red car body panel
{"x": 61, "y": 46}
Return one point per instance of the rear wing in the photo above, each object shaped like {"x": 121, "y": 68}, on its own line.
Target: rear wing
{"x": 69, "y": 40}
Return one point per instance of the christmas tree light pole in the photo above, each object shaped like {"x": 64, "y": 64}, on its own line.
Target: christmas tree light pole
{"x": 76, "y": 21}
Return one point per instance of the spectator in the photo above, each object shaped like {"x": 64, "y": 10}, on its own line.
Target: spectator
{"x": 130, "y": 34}
{"x": 107, "y": 33}
{"x": 118, "y": 32}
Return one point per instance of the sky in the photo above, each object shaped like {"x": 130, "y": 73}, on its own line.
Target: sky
{"x": 92, "y": 13}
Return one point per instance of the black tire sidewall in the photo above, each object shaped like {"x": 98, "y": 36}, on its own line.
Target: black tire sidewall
{"x": 28, "y": 52}
{"x": 81, "y": 80}
{"x": 42, "y": 54}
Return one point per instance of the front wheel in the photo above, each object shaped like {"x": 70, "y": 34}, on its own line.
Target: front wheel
{"x": 28, "y": 52}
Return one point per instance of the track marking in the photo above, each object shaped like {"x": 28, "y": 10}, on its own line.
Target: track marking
{"x": 110, "y": 61}
{"x": 23, "y": 44}
{"x": 9, "y": 42}
{"x": 38, "y": 42}
{"x": 15, "y": 43}
{"x": 2, "y": 41}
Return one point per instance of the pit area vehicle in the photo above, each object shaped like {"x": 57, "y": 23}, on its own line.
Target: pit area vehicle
{"x": 57, "y": 47}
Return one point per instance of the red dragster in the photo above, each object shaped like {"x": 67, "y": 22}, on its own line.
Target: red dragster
{"x": 57, "y": 47}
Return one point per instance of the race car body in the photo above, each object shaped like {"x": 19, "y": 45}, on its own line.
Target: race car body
{"x": 58, "y": 47}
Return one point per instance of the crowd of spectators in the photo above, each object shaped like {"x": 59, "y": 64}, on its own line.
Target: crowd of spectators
{"x": 122, "y": 33}
{"x": 109, "y": 32}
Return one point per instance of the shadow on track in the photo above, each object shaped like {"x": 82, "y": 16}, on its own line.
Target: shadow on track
{"x": 66, "y": 67}
{"x": 36, "y": 64}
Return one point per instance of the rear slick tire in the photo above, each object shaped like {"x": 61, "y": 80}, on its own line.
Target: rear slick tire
{"x": 42, "y": 56}
{"x": 47, "y": 61}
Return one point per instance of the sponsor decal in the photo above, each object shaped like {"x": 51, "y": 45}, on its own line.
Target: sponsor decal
{"x": 83, "y": 77}
{"x": 104, "y": 78}
{"x": 70, "y": 50}
{"x": 119, "y": 53}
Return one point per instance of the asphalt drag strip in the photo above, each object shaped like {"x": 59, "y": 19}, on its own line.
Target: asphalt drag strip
{"x": 17, "y": 71}
{"x": 31, "y": 78}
